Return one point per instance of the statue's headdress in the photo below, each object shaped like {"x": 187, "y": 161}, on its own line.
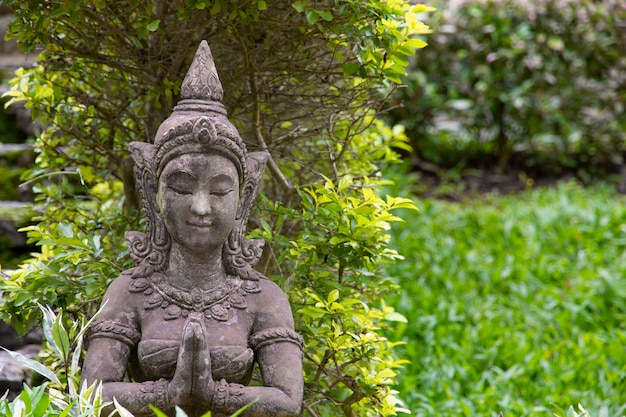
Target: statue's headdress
{"x": 198, "y": 124}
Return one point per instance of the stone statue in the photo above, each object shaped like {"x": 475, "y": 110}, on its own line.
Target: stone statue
{"x": 186, "y": 325}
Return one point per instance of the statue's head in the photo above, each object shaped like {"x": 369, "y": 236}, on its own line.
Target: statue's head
{"x": 196, "y": 146}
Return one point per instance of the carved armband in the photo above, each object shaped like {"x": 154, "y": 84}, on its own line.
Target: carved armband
{"x": 114, "y": 330}
{"x": 275, "y": 335}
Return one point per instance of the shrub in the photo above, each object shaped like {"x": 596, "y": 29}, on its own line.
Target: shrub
{"x": 536, "y": 83}
{"x": 303, "y": 80}
{"x": 62, "y": 395}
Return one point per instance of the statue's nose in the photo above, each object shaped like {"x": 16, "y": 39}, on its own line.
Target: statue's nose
{"x": 201, "y": 204}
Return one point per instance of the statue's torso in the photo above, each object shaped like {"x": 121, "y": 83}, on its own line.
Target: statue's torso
{"x": 241, "y": 320}
{"x": 162, "y": 315}
{"x": 157, "y": 351}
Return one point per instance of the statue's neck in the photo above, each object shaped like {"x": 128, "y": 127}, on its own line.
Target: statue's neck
{"x": 189, "y": 270}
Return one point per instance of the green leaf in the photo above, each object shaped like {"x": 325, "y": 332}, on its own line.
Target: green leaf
{"x": 395, "y": 316}
{"x": 299, "y": 5}
{"x": 393, "y": 75}
{"x": 74, "y": 367}
{"x": 61, "y": 338}
{"x": 65, "y": 229}
{"x": 49, "y": 319}
{"x": 416, "y": 43}
{"x": 26, "y": 398}
{"x": 400, "y": 59}
{"x": 406, "y": 50}
{"x": 325, "y": 14}
{"x": 154, "y": 25}
{"x": 41, "y": 401}
{"x": 313, "y": 312}
{"x": 69, "y": 409}
{"x": 344, "y": 182}
{"x": 312, "y": 17}
{"x": 217, "y": 7}
{"x": 336, "y": 240}
{"x": 34, "y": 365}
{"x": 351, "y": 68}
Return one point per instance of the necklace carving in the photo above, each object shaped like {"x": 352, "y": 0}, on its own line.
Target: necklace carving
{"x": 216, "y": 303}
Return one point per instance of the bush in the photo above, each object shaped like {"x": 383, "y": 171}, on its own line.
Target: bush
{"x": 533, "y": 84}
{"x": 62, "y": 395}
{"x": 303, "y": 80}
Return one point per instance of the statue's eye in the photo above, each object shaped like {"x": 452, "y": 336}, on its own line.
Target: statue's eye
{"x": 221, "y": 192}
{"x": 179, "y": 190}
{"x": 222, "y": 185}
{"x": 181, "y": 183}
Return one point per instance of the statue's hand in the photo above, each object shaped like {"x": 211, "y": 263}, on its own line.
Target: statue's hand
{"x": 192, "y": 382}
{"x": 202, "y": 379}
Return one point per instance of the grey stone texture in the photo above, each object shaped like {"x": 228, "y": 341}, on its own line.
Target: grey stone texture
{"x": 189, "y": 323}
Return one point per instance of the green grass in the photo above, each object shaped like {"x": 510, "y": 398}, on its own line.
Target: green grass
{"x": 515, "y": 304}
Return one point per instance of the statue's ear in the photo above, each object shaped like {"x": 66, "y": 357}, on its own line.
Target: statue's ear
{"x": 256, "y": 162}
{"x": 139, "y": 244}
{"x": 142, "y": 153}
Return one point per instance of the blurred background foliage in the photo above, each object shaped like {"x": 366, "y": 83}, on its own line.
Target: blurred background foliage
{"x": 15, "y": 160}
{"x": 515, "y": 303}
{"x": 537, "y": 86}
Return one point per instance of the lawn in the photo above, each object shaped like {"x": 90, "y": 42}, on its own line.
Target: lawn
{"x": 515, "y": 304}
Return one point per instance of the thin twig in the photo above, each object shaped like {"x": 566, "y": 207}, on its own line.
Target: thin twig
{"x": 50, "y": 174}
{"x": 256, "y": 116}
{"x": 310, "y": 410}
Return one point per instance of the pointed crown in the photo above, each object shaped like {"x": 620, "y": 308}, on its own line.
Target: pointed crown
{"x": 199, "y": 121}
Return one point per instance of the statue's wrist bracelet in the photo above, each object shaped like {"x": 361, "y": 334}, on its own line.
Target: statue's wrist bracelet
{"x": 155, "y": 393}
{"x": 160, "y": 391}
{"x": 220, "y": 395}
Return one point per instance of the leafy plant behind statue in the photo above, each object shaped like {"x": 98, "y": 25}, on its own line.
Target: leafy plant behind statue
{"x": 108, "y": 75}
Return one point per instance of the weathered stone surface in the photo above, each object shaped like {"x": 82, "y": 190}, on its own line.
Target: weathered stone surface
{"x": 191, "y": 320}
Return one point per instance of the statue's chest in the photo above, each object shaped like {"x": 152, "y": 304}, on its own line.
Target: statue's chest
{"x": 165, "y": 308}
{"x": 227, "y": 345}
{"x": 234, "y": 331}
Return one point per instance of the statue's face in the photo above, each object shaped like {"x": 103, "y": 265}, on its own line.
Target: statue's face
{"x": 199, "y": 197}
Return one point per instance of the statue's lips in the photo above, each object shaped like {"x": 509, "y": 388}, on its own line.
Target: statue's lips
{"x": 200, "y": 224}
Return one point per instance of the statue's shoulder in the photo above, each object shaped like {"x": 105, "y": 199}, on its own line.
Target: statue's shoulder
{"x": 118, "y": 317}
{"x": 269, "y": 289}
{"x": 121, "y": 283}
{"x": 119, "y": 296}
{"x": 271, "y": 304}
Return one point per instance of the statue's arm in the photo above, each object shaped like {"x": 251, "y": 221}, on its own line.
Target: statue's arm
{"x": 106, "y": 362}
{"x": 112, "y": 335}
{"x": 111, "y": 339}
